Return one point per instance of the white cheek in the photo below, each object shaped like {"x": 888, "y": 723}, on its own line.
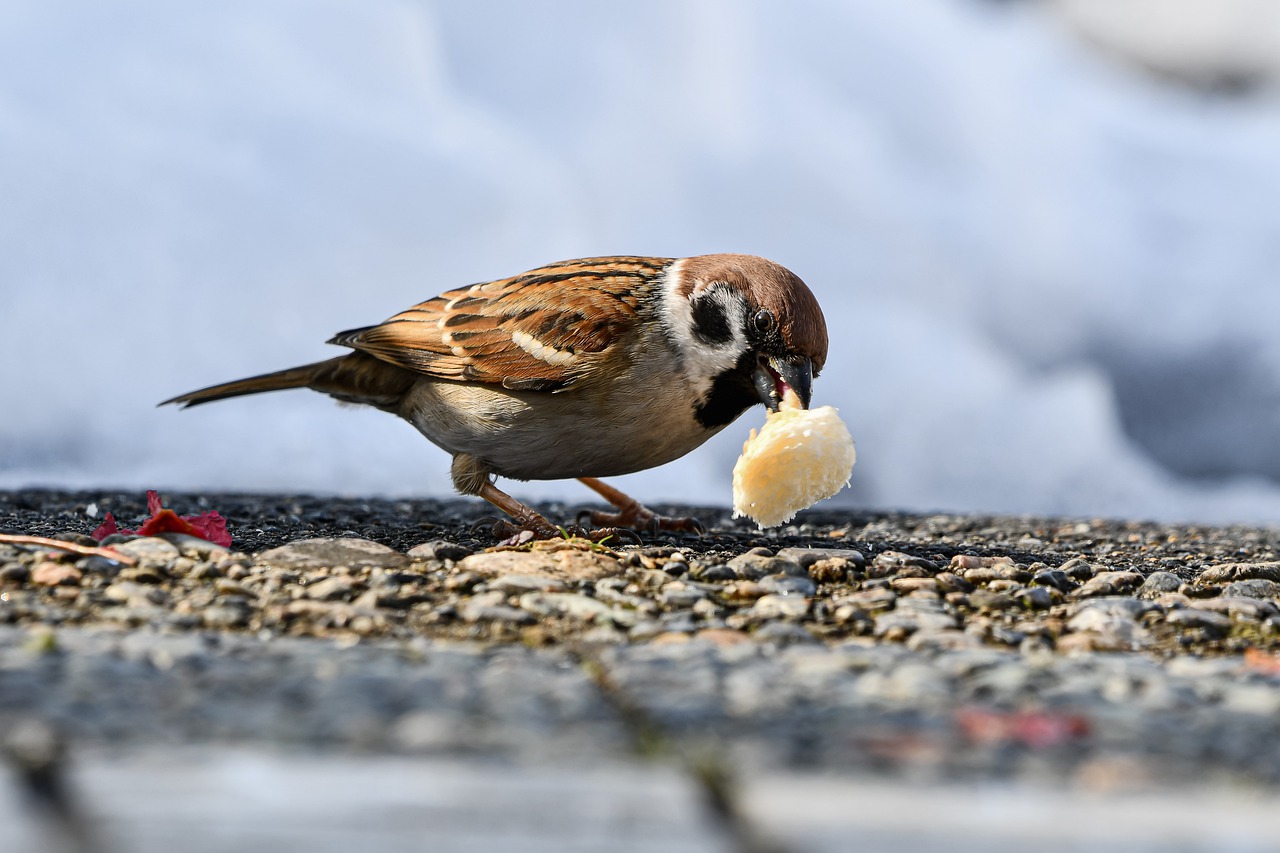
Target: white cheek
{"x": 702, "y": 361}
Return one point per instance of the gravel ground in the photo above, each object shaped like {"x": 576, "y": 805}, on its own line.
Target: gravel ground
{"x": 1092, "y": 654}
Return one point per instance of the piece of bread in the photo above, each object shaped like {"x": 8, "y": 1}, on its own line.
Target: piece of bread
{"x": 799, "y": 457}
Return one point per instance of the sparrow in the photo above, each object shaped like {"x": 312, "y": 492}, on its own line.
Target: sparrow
{"x": 586, "y": 368}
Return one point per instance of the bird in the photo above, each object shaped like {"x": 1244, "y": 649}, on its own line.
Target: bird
{"x": 587, "y": 368}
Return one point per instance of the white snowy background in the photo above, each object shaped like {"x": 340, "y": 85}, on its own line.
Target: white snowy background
{"x": 1049, "y": 252}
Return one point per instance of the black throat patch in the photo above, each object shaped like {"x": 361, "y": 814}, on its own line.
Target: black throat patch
{"x": 732, "y": 393}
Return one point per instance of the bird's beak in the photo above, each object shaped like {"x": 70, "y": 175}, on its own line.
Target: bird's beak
{"x": 775, "y": 376}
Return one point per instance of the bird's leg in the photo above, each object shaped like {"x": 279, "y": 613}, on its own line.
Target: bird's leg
{"x": 526, "y": 518}
{"x": 633, "y": 514}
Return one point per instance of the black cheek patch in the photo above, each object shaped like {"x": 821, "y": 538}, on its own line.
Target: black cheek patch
{"x": 710, "y": 325}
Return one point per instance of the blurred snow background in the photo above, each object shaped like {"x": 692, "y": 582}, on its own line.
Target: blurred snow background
{"x": 1046, "y": 234}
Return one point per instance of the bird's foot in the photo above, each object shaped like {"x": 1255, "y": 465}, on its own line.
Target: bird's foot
{"x": 635, "y": 516}
{"x": 512, "y": 534}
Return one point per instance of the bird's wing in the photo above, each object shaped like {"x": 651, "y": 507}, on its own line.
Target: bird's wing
{"x": 539, "y": 331}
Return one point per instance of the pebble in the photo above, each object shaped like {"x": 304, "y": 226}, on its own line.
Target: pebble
{"x": 1158, "y": 583}
{"x": 806, "y": 557}
{"x": 1038, "y": 597}
{"x": 524, "y": 583}
{"x": 1109, "y": 583}
{"x": 678, "y": 594}
{"x": 1253, "y": 588}
{"x": 783, "y": 633}
{"x": 194, "y": 546}
{"x": 438, "y": 549}
{"x": 987, "y": 601}
{"x": 566, "y": 565}
{"x": 908, "y": 623}
{"x": 788, "y": 585}
{"x": 892, "y": 562}
{"x": 1240, "y": 571}
{"x": 1055, "y": 578}
{"x": 756, "y": 566}
{"x": 151, "y": 552}
{"x": 338, "y": 587}
{"x": 568, "y": 604}
{"x": 55, "y": 574}
{"x": 780, "y": 607}
{"x": 327, "y": 552}
{"x": 1214, "y": 624}
{"x": 870, "y": 599}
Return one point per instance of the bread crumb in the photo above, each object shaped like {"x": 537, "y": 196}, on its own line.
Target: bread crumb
{"x": 799, "y": 457}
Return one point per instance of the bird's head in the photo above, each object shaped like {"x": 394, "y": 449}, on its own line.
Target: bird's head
{"x": 749, "y": 329}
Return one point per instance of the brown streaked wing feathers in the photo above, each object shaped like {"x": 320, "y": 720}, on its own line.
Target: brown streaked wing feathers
{"x": 576, "y": 310}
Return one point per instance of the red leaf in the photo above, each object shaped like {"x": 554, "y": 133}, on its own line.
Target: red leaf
{"x": 105, "y": 529}
{"x": 209, "y": 526}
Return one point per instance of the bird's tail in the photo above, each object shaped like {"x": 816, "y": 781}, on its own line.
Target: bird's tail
{"x": 352, "y": 378}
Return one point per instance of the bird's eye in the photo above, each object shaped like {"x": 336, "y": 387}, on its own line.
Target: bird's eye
{"x": 763, "y": 320}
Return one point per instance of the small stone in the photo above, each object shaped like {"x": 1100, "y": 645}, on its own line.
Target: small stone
{"x": 568, "y": 604}
{"x": 905, "y": 586}
{"x": 98, "y": 566}
{"x": 783, "y": 633}
{"x": 830, "y": 571}
{"x": 1159, "y": 583}
{"x": 55, "y": 574}
{"x": 714, "y": 572}
{"x": 871, "y": 599}
{"x": 987, "y": 601}
{"x": 226, "y": 586}
{"x": 996, "y": 573}
{"x": 1078, "y": 568}
{"x": 142, "y": 574}
{"x": 806, "y": 557}
{"x": 498, "y": 613}
{"x": 465, "y": 581}
{"x": 1109, "y": 583}
{"x": 892, "y": 562}
{"x": 1253, "y": 588}
{"x": 949, "y": 583}
{"x": 788, "y": 585}
{"x": 329, "y": 552}
{"x": 755, "y": 566}
{"x": 944, "y": 640}
{"x": 569, "y": 564}
{"x": 1108, "y": 629}
{"x": 1212, "y": 624}
{"x": 1240, "y": 572}
{"x": 723, "y": 636}
{"x": 438, "y": 549}
{"x": 14, "y": 573}
{"x": 680, "y": 595}
{"x": 1055, "y": 578}
{"x": 1038, "y": 597}
{"x": 905, "y": 623}
{"x": 194, "y": 546}
{"x": 225, "y": 616}
{"x": 780, "y": 607}
{"x": 151, "y": 552}
{"x": 336, "y": 588}
{"x": 519, "y": 584}
{"x": 742, "y": 591}
{"x": 135, "y": 594}
{"x": 1251, "y": 609}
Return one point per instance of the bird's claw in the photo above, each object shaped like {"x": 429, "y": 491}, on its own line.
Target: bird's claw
{"x": 637, "y": 517}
